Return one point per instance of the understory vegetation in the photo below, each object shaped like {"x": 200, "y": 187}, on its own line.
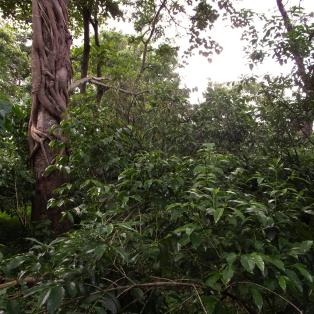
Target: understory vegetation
{"x": 174, "y": 207}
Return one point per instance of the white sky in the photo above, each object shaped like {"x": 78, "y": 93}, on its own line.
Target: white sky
{"x": 231, "y": 64}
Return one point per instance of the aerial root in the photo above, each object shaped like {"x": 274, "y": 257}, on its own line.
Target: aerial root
{"x": 39, "y": 137}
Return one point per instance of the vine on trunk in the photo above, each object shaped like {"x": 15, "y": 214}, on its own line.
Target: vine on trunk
{"x": 51, "y": 74}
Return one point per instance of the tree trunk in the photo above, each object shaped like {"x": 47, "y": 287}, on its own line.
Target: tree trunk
{"x": 86, "y": 52}
{"x": 100, "y": 89}
{"x": 51, "y": 75}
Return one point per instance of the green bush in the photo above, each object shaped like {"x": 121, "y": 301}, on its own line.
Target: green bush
{"x": 177, "y": 234}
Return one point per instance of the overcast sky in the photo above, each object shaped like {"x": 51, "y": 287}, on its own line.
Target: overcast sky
{"x": 231, "y": 64}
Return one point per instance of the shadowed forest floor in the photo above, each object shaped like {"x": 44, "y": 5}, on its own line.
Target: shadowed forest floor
{"x": 11, "y": 234}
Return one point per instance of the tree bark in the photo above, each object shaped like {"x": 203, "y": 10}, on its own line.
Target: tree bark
{"x": 86, "y": 52}
{"x": 100, "y": 89}
{"x": 51, "y": 75}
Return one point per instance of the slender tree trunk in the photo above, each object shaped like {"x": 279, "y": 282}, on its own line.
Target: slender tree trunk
{"x": 100, "y": 89}
{"x": 86, "y": 52}
{"x": 51, "y": 75}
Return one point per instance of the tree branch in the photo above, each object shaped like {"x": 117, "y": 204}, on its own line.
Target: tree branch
{"x": 152, "y": 31}
{"x": 98, "y": 81}
{"x": 14, "y": 283}
{"x": 294, "y": 49}
{"x": 161, "y": 284}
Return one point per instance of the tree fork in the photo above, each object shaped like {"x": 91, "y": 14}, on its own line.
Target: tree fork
{"x": 51, "y": 76}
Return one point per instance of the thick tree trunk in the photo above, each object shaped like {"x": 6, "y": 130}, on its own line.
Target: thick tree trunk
{"x": 51, "y": 75}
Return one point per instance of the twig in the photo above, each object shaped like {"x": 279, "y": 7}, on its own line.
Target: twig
{"x": 13, "y": 283}
{"x": 113, "y": 283}
{"x": 17, "y": 211}
{"x": 164, "y": 284}
{"x": 238, "y": 301}
{"x": 180, "y": 305}
{"x": 201, "y": 302}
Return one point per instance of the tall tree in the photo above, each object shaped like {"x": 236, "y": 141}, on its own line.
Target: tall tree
{"x": 297, "y": 48}
{"x": 51, "y": 74}
{"x": 287, "y": 36}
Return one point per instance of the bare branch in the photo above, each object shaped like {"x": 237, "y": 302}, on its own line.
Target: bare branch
{"x": 161, "y": 284}
{"x": 98, "y": 81}
{"x": 14, "y": 283}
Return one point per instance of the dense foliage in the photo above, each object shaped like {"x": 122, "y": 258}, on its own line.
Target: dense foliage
{"x": 175, "y": 208}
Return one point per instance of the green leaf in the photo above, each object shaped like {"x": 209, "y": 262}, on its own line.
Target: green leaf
{"x": 212, "y": 280}
{"x": 218, "y": 214}
{"x": 210, "y": 304}
{"x": 67, "y": 215}
{"x": 122, "y": 252}
{"x": 188, "y": 229}
{"x": 44, "y": 297}
{"x": 227, "y": 275}
{"x": 110, "y": 304}
{"x": 258, "y": 299}
{"x": 138, "y": 294}
{"x": 100, "y": 250}
{"x": 196, "y": 240}
{"x": 16, "y": 262}
{"x": 67, "y": 169}
{"x": 301, "y": 248}
{"x": 231, "y": 257}
{"x": 50, "y": 169}
{"x": 110, "y": 228}
{"x": 35, "y": 241}
{"x": 282, "y": 282}
{"x": 1, "y": 256}
{"x": 248, "y": 263}
{"x": 275, "y": 261}
{"x": 259, "y": 262}
{"x": 304, "y": 272}
{"x": 55, "y": 299}
{"x": 294, "y": 279}
{"x": 71, "y": 289}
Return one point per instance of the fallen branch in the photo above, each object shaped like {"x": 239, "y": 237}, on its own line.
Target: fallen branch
{"x": 17, "y": 282}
